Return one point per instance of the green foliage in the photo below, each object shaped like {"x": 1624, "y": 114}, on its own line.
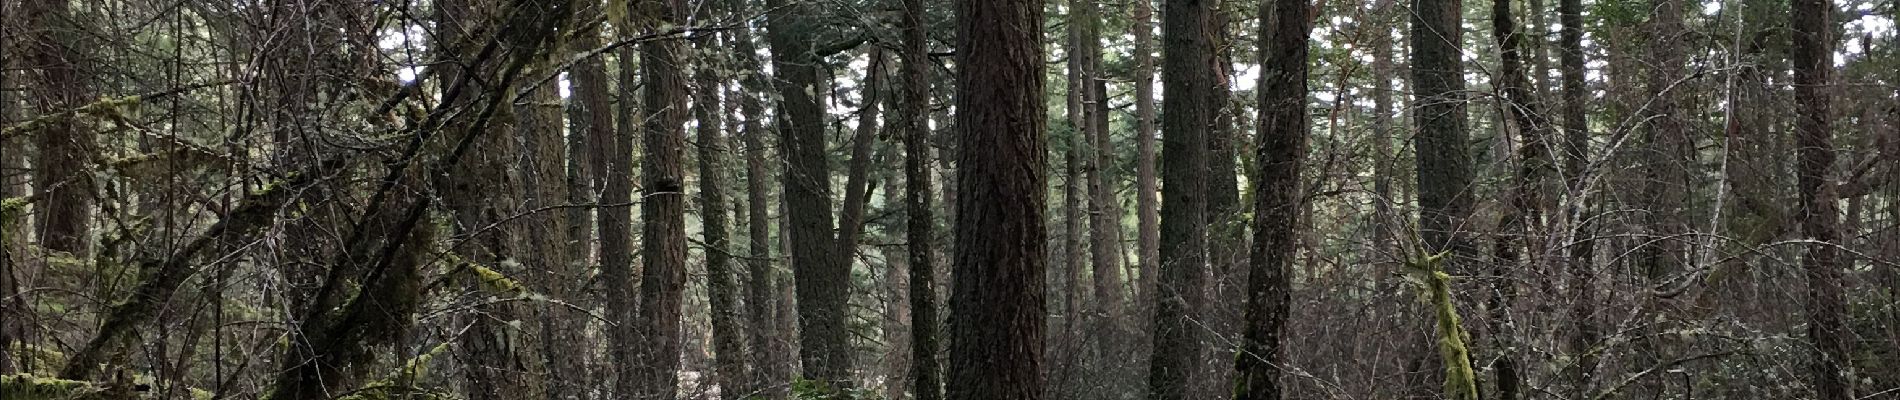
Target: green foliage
{"x": 1434, "y": 284}
{"x": 106, "y": 108}
{"x": 42, "y": 359}
{"x": 153, "y": 166}
{"x": 403, "y": 380}
{"x": 1620, "y": 12}
{"x": 11, "y": 209}
{"x": 29, "y": 387}
{"x": 481, "y": 276}
{"x": 493, "y": 280}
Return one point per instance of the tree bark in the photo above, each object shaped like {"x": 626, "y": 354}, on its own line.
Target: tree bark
{"x": 858, "y": 175}
{"x": 616, "y": 236}
{"x": 1509, "y": 248}
{"x": 1148, "y": 217}
{"x": 1066, "y": 356}
{"x": 1576, "y": 147}
{"x": 1226, "y": 220}
{"x": 57, "y": 82}
{"x": 768, "y": 375}
{"x": 821, "y": 276}
{"x": 663, "y": 202}
{"x": 544, "y": 179}
{"x": 721, "y": 285}
{"x": 997, "y": 310}
{"x": 920, "y": 223}
{"x": 1443, "y": 159}
{"x": 1670, "y": 150}
{"x": 13, "y": 310}
{"x": 590, "y": 140}
{"x": 1104, "y": 213}
{"x": 1813, "y": 64}
{"x": 478, "y": 193}
{"x": 1277, "y": 197}
{"x": 1189, "y": 76}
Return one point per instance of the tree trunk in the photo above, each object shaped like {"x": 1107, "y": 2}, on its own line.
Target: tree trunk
{"x": 1443, "y": 159}
{"x": 858, "y": 175}
{"x": 1813, "y": 62}
{"x": 543, "y": 178}
{"x": 57, "y": 82}
{"x": 768, "y": 376}
{"x": 1576, "y": 157}
{"x": 479, "y": 194}
{"x": 1189, "y": 76}
{"x": 1277, "y": 204}
{"x": 721, "y": 283}
{"x": 1067, "y": 354}
{"x": 896, "y": 272}
{"x": 616, "y": 236}
{"x": 13, "y": 310}
{"x": 1515, "y": 221}
{"x": 920, "y": 222}
{"x": 589, "y": 142}
{"x": 1670, "y": 151}
{"x": 997, "y": 312}
{"x": 663, "y": 204}
{"x": 822, "y": 277}
{"x": 1227, "y": 227}
{"x": 1104, "y": 213}
{"x": 1148, "y": 217}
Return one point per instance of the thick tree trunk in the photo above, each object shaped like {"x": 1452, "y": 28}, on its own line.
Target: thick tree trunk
{"x": 49, "y": 43}
{"x": 1576, "y": 147}
{"x": 1188, "y": 74}
{"x": 478, "y": 194}
{"x": 544, "y": 179}
{"x": 822, "y": 277}
{"x": 1443, "y": 160}
{"x": 920, "y": 222}
{"x": 1813, "y": 64}
{"x": 1277, "y": 204}
{"x": 58, "y": 83}
{"x": 997, "y": 312}
{"x": 663, "y": 204}
{"x": 1226, "y": 221}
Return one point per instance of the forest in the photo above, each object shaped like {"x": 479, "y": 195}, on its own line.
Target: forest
{"x": 964, "y": 199}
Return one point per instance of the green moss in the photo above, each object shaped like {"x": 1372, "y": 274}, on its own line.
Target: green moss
{"x": 11, "y": 209}
{"x": 29, "y": 387}
{"x": 490, "y": 279}
{"x": 1435, "y": 285}
{"x": 401, "y": 381}
{"x": 42, "y": 358}
{"x": 493, "y": 280}
{"x": 106, "y": 108}
{"x": 13, "y": 205}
